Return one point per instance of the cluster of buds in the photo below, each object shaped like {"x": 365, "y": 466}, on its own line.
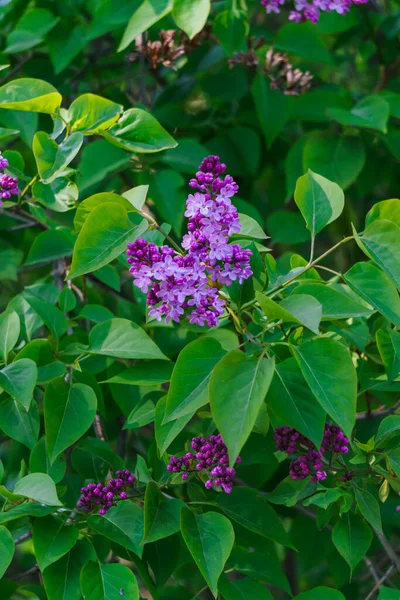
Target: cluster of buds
{"x": 305, "y": 10}
{"x": 284, "y": 77}
{"x": 310, "y": 461}
{"x": 170, "y": 46}
{"x": 97, "y": 496}
{"x": 211, "y": 457}
{"x": 8, "y": 184}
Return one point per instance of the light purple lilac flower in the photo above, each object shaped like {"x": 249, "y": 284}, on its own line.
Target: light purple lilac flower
{"x": 310, "y": 11}
{"x": 188, "y": 285}
{"x": 211, "y": 457}
{"x": 8, "y": 184}
{"x": 290, "y": 441}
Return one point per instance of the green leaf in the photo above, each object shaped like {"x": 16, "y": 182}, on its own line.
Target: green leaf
{"x": 123, "y": 339}
{"x": 93, "y": 458}
{"x": 49, "y": 314}
{"x": 251, "y": 510}
{"x": 19, "y": 379}
{"x": 209, "y": 538}
{"x": 39, "y": 462}
{"x": 148, "y": 13}
{"x": 50, "y": 245}
{"x": 142, "y": 414}
{"x": 303, "y": 40}
{"x": 388, "y": 429}
{"x": 321, "y": 592}
{"x": 335, "y": 304}
{"x": 240, "y": 589}
{"x": 329, "y": 371}
{"x": 287, "y": 227}
{"x": 138, "y": 131}
{"x": 381, "y": 242}
{"x": 190, "y": 378}
{"x": 9, "y": 332}
{"x": 272, "y": 108}
{"x": 33, "y": 95}
{"x": 249, "y": 228}
{"x": 371, "y": 112}
{"x": 165, "y": 433}
{"x": 6, "y": 550}
{"x": 64, "y": 43}
{"x": 92, "y": 114}
{"x": 369, "y": 507}
{"x": 28, "y": 509}
{"x": 161, "y": 515}
{"x": 394, "y": 460}
{"x": 301, "y": 309}
{"x": 352, "y": 538}
{"x": 68, "y": 413}
{"x": 290, "y": 399}
{"x": 320, "y": 201}
{"x": 388, "y": 343}
{"x": 59, "y": 196}
{"x": 191, "y": 16}
{"x": 104, "y": 236}
{"x": 387, "y": 209}
{"x": 148, "y": 373}
{"x": 108, "y": 582}
{"x": 62, "y": 578}
{"x": 30, "y": 30}
{"x": 86, "y": 207}
{"x": 339, "y": 158}
{"x": 231, "y": 28}
{"x": 238, "y": 386}
{"x": 137, "y": 196}
{"x": 122, "y": 524}
{"x": 52, "y": 539}
{"x": 39, "y": 487}
{"x": 262, "y": 564}
{"x": 386, "y": 593}
{"x": 376, "y": 288}
{"x": 18, "y": 424}
{"x": 52, "y": 158}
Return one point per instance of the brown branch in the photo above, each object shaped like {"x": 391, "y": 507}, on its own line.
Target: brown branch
{"x": 379, "y": 583}
{"x": 375, "y": 414}
{"x": 98, "y": 428}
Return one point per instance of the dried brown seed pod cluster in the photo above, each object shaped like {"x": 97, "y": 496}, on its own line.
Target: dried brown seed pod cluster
{"x": 170, "y": 46}
{"x": 290, "y": 81}
{"x": 283, "y": 76}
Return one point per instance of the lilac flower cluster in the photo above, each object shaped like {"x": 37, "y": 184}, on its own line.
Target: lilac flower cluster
{"x": 99, "y": 496}
{"x": 310, "y": 11}
{"x": 212, "y": 457}
{"x": 310, "y": 461}
{"x": 188, "y": 285}
{"x": 8, "y": 184}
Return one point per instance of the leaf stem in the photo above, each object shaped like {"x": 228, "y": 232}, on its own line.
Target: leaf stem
{"x": 311, "y": 264}
{"x": 27, "y": 188}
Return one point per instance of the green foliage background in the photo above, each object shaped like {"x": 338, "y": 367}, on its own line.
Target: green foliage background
{"x": 104, "y": 147}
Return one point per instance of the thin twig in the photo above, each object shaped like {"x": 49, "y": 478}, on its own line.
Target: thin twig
{"x": 23, "y": 537}
{"x": 388, "y": 548}
{"x": 379, "y": 583}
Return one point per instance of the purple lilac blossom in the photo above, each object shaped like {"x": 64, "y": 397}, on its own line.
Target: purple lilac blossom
{"x": 96, "y": 496}
{"x": 8, "y": 184}
{"x": 188, "y": 285}
{"x": 310, "y": 11}
{"x": 212, "y": 457}
{"x": 310, "y": 462}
